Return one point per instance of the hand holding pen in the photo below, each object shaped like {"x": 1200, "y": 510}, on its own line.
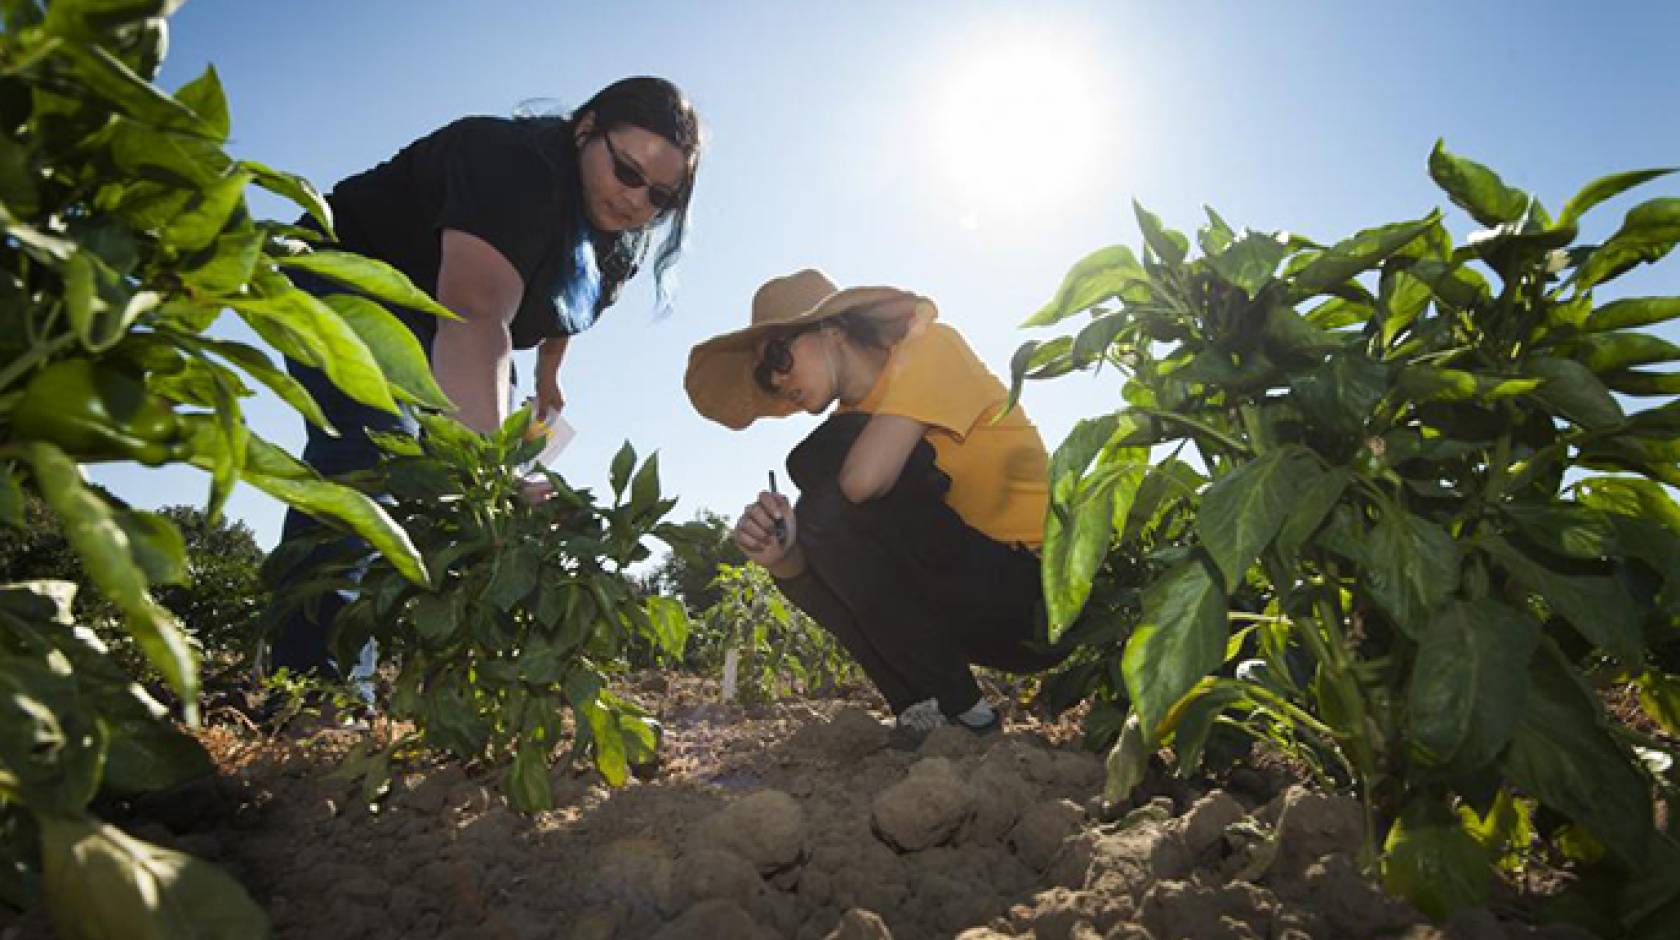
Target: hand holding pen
{"x": 766, "y": 532}
{"x": 781, "y": 524}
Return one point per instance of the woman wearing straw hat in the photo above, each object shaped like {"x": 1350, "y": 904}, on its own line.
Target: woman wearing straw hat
{"x": 920, "y": 511}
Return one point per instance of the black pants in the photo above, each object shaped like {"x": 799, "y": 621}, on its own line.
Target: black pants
{"x": 913, "y": 592}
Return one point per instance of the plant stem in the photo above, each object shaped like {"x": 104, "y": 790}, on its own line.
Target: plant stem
{"x": 22, "y": 364}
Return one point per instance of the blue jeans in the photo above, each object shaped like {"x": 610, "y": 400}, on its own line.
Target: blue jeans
{"x": 300, "y": 645}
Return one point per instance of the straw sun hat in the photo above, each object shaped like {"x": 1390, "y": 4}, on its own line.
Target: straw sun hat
{"x": 720, "y": 370}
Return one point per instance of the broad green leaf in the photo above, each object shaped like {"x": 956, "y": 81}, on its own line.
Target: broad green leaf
{"x": 258, "y": 366}
{"x": 1649, "y": 232}
{"x": 1180, "y": 639}
{"x": 205, "y": 97}
{"x": 365, "y": 517}
{"x": 1635, "y": 382}
{"x": 1632, "y": 311}
{"x": 227, "y": 265}
{"x": 1475, "y": 188}
{"x": 207, "y": 214}
{"x": 514, "y": 574}
{"x": 1563, "y": 754}
{"x": 1102, "y": 275}
{"x": 1196, "y": 722}
{"x": 1659, "y": 696}
{"x": 1410, "y": 566}
{"x": 155, "y": 543}
{"x": 1401, "y": 296}
{"x": 306, "y": 329}
{"x": 644, "y": 487}
{"x": 299, "y": 190}
{"x": 149, "y": 153}
{"x": 1569, "y": 530}
{"x": 108, "y": 557}
{"x": 1598, "y": 606}
{"x": 1241, "y": 513}
{"x": 1128, "y": 761}
{"x": 109, "y": 79}
{"x": 1572, "y": 391}
{"x": 19, "y": 182}
{"x": 1290, "y": 334}
{"x": 1456, "y": 285}
{"x": 608, "y": 739}
{"x": 369, "y": 276}
{"x": 1361, "y": 252}
{"x": 1093, "y": 341}
{"x": 1311, "y": 507}
{"x": 437, "y": 617}
{"x": 395, "y": 347}
{"x": 100, "y": 303}
{"x": 1216, "y": 235}
{"x": 1343, "y": 393}
{"x": 1249, "y": 262}
{"x": 1604, "y": 188}
{"x": 622, "y": 463}
{"x": 670, "y": 623}
{"x": 526, "y": 782}
{"x": 1338, "y": 312}
{"x": 1609, "y": 352}
{"x": 1430, "y": 860}
{"x": 1076, "y": 539}
{"x": 102, "y": 882}
{"x": 1169, "y": 246}
{"x": 1468, "y": 682}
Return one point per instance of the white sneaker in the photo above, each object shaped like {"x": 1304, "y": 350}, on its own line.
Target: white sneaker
{"x": 915, "y": 724}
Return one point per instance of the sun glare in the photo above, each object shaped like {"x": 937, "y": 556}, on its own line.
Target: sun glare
{"x": 1019, "y": 128}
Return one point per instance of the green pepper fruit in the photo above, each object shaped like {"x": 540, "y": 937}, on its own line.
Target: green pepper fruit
{"x": 95, "y": 412}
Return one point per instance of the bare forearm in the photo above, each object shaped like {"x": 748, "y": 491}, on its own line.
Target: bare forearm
{"x": 550, "y": 353}
{"x": 471, "y": 359}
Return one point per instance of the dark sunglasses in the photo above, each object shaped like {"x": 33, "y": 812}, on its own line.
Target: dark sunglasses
{"x": 776, "y": 359}
{"x": 660, "y": 197}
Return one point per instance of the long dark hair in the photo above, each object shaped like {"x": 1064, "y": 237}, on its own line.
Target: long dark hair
{"x": 655, "y": 105}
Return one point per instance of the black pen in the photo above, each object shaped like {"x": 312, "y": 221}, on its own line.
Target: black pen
{"x": 781, "y": 524}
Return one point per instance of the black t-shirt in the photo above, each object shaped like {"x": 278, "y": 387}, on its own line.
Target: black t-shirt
{"x": 486, "y": 176}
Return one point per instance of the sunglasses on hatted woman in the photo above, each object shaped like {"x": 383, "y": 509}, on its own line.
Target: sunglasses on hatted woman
{"x": 660, "y": 197}
{"x": 776, "y": 359}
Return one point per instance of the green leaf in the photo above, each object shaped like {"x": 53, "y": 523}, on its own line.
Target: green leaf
{"x": 1601, "y": 189}
{"x": 258, "y": 366}
{"x": 1242, "y": 513}
{"x": 1635, "y": 382}
{"x": 1216, "y": 235}
{"x": 1468, "y": 682}
{"x": 437, "y": 617}
{"x": 291, "y": 186}
{"x": 395, "y": 347}
{"x": 205, "y": 97}
{"x": 1430, "y": 860}
{"x": 1410, "y": 566}
{"x": 365, "y": 517}
{"x": 622, "y": 463}
{"x": 100, "y": 303}
{"x": 1249, "y": 262}
{"x": 1573, "y": 392}
{"x": 644, "y": 488}
{"x": 108, "y": 78}
{"x": 102, "y": 882}
{"x": 1475, "y": 188}
{"x": 11, "y": 498}
{"x": 207, "y": 214}
{"x": 526, "y": 782}
{"x": 155, "y": 543}
{"x": 1632, "y": 311}
{"x": 227, "y": 265}
{"x": 369, "y": 276}
{"x": 1569, "y": 530}
{"x": 514, "y": 574}
{"x": 1168, "y": 245}
{"x": 670, "y": 623}
{"x": 1363, "y": 251}
{"x": 1649, "y": 232}
{"x": 1608, "y": 352}
{"x": 149, "y": 153}
{"x": 1598, "y": 606}
{"x": 306, "y": 329}
{"x": 1180, "y": 639}
{"x": 1343, "y": 393}
{"x": 1102, "y": 275}
{"x": 1076, "y": 540}
{"x": 1311, "y": 507}
{"x": 1659, "y": 696}
{"x": 1562, "y": 754}
{"x": 608, "y": 739}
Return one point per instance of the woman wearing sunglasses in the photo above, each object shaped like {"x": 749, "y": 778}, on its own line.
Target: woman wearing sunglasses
{"x": 526, "y": 228}
{"x": 920, "y": 510}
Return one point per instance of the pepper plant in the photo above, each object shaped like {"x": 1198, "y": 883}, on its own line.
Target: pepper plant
{"x": 529, "y": 611}
{"x": 1445, "y": 469}
{"x": 126, "y": 237}
{"x": 779, "y": 649}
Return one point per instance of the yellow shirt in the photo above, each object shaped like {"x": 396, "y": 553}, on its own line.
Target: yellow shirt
{"x": 1000, "y": 473}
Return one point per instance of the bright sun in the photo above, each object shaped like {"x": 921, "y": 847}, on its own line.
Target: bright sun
{"x": 1018, "y": 128}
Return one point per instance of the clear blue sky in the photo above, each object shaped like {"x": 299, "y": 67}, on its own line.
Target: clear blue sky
{"x": 970, "y": 151}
